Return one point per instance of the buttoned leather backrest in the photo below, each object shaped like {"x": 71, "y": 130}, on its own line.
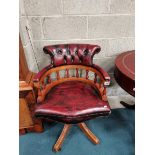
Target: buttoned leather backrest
{"x": 71, "y": 54}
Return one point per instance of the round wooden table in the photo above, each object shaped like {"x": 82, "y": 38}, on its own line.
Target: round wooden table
{"x": 124, "y": 73}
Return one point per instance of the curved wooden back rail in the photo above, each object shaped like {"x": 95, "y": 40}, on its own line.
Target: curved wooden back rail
{"x": 45, "y": 83}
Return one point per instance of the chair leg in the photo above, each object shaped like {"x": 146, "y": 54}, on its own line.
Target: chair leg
{"x": 88, "y": 133}
{"x": 58, "y": 144}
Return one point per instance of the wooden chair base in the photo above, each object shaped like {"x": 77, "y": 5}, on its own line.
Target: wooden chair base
{"x": 83, "y": 127}
{"x": 58, "y": 144}
{"x": 88, "y": 133}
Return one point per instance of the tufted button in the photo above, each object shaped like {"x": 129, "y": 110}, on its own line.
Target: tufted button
{"x": 71, "y": 53}
{"x": 85, "y": 52}
{"x": 59, "y": 52}
{"x": 72, "y": 58}
{"x": 53, "y": 53}
{"x": 68, "y": 52}
{"x": 76, "y": 52}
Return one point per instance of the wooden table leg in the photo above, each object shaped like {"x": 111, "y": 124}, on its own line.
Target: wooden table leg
{"x": 88, "y": 133}
{"x": 58, "y": 144}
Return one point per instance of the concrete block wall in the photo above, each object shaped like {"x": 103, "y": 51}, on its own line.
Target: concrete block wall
{"x": 108, "y": 23}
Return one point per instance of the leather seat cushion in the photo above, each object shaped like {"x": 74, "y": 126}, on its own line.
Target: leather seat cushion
{"x": 72, "y": 102}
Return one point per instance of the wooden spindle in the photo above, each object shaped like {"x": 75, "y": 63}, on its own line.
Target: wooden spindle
{"x": 43, "y": 85}
{"x": 67, "y": 73}
{"x": 87, "y": 71}
{"x": 104, "y": 97}
{"x": 95, "y": 79}
{"x": 77, "y": 73}
{"x": 58, "y": 75}
{"x": 48, "y": 79}
{"x": 100, "y": 84}
{"x": 39, "y": 91}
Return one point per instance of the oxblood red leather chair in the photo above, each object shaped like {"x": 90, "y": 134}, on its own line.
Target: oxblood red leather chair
{"x": 72, "y": 98}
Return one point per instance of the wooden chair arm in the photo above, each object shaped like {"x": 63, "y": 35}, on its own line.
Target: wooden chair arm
{"x": 38, "y": 76}
{"x": 44, "y": 82}
{"x": 104, "y": 74}
{"x": 23, "y": 86}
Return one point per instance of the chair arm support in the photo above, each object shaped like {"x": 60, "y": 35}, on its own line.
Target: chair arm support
{"x": 41, "y": 73}
{"x": 104, "y": 74}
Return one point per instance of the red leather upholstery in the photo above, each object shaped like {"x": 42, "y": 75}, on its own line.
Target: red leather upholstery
{"x": 69, "y": 54}
{"x": 73, "y": 54}
{"x": 72, "y": 102}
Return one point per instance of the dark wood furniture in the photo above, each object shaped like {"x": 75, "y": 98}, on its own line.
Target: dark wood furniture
{"x": 77, "y": 94}
{"x": 125, "y": 73}
{"x": 27, "y": 121}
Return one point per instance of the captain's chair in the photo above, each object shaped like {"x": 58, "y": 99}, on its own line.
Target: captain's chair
{"x": 77, "y": 94}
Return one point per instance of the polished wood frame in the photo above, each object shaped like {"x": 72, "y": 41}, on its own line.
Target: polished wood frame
{"x": 46, "y": 83}
{"x": 88, "y": 133}
{"x": 27, "y": 96}
{"x": 43, "y": 87}
{"x": 83, "y": 127}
